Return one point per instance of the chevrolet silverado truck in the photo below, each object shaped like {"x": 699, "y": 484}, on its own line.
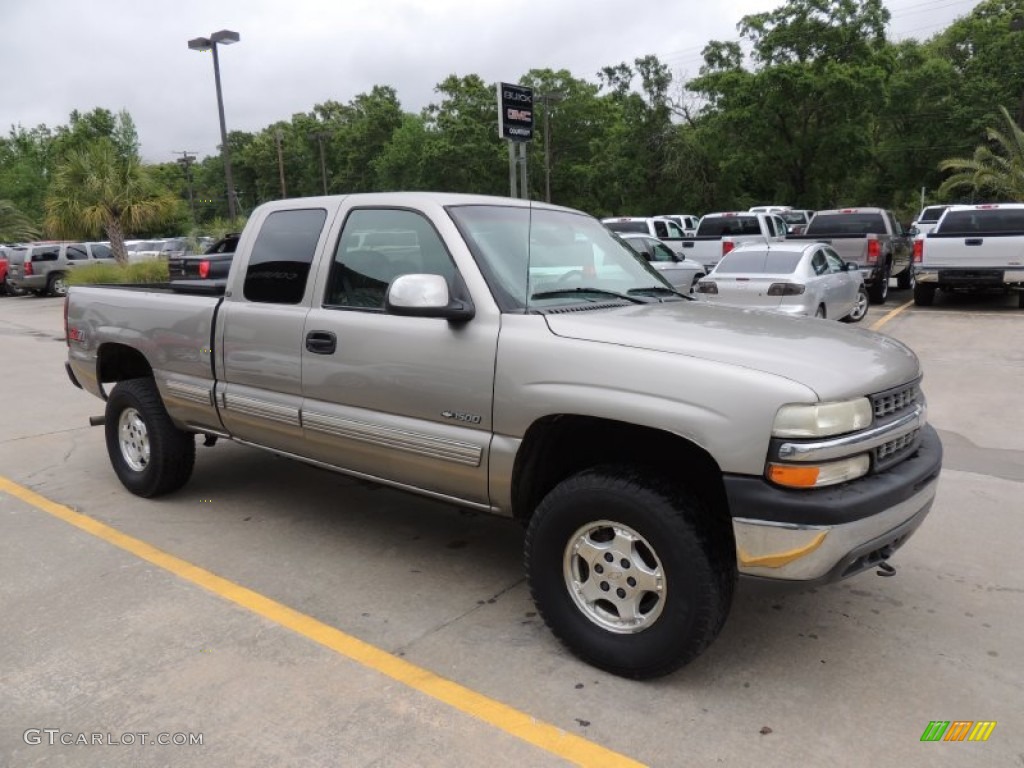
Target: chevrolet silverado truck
{"x": 872, "y": 239}
{"x": 972, "y": 248}
{"x": 719, "y": 233}
{"x": 517, "y": 358}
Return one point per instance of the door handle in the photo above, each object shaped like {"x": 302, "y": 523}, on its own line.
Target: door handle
{"x": 973, "y": 241}
{"x": 321, "y": 342}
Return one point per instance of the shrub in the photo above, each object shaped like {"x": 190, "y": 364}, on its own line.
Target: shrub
{"x": 154, "y": 271}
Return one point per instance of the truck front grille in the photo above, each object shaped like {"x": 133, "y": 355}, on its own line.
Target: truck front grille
{"x": 896, "y": 450}
{"x": 894, "y": 401}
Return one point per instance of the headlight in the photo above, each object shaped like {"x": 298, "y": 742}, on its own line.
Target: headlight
{"x": 823, "y": 419}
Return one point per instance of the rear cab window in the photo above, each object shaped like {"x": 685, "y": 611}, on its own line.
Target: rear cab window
{"x": 719, "y": 226}
{"x": 983, "y": 220}
{"x": 280, "y": 261}
{"x": 847, "y": 224}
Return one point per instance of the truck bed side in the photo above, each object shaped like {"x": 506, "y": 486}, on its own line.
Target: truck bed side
{"x": 119, "y": 333}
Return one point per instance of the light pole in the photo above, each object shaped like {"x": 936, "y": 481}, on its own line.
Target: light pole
{"x": 224, "y": 37}
{"x": 548, "y": 98}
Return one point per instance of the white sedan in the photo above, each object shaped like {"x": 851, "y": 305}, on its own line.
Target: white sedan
{"x": 794, "y": 278}
{"x": 682, "y": 273}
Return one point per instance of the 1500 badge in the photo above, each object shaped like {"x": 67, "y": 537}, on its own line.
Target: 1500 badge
{"x": 469, "y": 418}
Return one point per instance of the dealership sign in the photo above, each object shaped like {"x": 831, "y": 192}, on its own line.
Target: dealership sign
{"x": 515, "y": 112}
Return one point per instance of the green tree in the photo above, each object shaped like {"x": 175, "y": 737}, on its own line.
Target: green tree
{"x": 15, "y": 225}
{"x": 995, "y": 170}
{"x": 98, "y": 189}
{"x": 796, "y": 125}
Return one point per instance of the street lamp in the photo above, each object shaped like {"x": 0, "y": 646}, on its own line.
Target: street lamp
{"x": 224, "y": 37}
{"x": 550, "y": 98}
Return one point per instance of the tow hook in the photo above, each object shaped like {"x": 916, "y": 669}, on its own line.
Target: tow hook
{"x": 884, "y": 569}
{"x": 209, "y": 441}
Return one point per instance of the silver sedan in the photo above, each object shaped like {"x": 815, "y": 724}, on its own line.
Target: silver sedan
{"x": 797, "y": 278}
{"x": 682, "y": 273}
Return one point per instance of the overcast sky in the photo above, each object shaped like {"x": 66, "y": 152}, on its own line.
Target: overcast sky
{"x": 60, "y": 55}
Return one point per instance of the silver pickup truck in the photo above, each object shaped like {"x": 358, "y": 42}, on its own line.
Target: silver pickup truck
{"x": 517, "y": 358}
{"x": 872, "y": 239}
{"x": 972, "y": 248}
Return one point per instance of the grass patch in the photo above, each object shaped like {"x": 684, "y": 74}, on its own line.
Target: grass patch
{"x": 154, "y": 271}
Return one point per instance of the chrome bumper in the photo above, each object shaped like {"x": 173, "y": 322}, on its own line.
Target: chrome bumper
{"x": 827, "y": 552}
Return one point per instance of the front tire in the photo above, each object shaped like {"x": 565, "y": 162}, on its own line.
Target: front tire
{"x": 630, "y": 571}
{"x": 150, "y": 455}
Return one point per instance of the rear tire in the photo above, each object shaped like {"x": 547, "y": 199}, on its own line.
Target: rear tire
{"x": 924, "y": 294}
{"x": 57, "y": 285}
{"x": 879, "y": 292}
{"x": 630, "y": 571}
{"x": 906, "y": 279}
{"x": 860, "y": 310}
{"x": 150, "y": 455}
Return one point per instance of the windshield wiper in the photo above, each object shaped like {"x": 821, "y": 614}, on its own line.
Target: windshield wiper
{"x": 599, "y": 291}
{"x": 660, "y": 289}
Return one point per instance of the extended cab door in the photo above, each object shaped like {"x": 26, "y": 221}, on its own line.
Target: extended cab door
{"x": 260, "y": 325}
{"x": 403, "y": 399}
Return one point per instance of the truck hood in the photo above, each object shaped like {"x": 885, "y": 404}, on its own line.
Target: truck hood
{"x": 834, "y": 360}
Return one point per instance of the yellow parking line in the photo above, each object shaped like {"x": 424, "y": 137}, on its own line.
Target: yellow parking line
{"x": 514, "y": 722}
{"x": 890, "y": 315}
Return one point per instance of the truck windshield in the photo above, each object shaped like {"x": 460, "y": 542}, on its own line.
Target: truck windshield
{"x": 846, "y": 224}
{"x": 536, "y": 258}
{"x": 728, "y": 225}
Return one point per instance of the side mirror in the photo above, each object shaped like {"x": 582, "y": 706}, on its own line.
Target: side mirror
{"x": 425, "y": 296}
{"x": 849, "y": 266}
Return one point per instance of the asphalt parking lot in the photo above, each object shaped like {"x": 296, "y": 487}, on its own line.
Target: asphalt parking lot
{"x": 232, "y": 611}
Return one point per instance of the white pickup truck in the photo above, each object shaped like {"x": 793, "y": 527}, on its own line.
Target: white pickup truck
{"x": 972, "y": 248}
{"x": 719, "y": 233}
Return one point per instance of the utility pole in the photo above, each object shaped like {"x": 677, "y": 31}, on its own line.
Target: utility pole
{"x": 185, "y": 161}
{"x": 319, "y": 137}
{"x": 278, "y": 135}
{"x": 550, "y": 98}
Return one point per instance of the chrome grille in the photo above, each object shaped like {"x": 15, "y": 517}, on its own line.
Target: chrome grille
{"x": 893, "y": 447}
{"x": 895, "y": 400}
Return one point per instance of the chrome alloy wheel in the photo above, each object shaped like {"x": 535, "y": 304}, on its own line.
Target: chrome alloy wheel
{"x": 614, "y": 576}
{"x": 133, "y": 438}
{"x": 861, "y": 307}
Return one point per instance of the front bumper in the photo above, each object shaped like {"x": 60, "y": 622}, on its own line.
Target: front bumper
{"x": 832, "y": 533}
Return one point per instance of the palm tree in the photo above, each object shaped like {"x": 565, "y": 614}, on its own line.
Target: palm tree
{"x": 15, "y": 226}
{"x": 98, "y": 189}
{"x": 996, "y": 169}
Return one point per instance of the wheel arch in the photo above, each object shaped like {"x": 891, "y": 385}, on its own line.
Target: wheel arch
{"x": 558, "y": 446}
{"x": 120, "y": 362}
